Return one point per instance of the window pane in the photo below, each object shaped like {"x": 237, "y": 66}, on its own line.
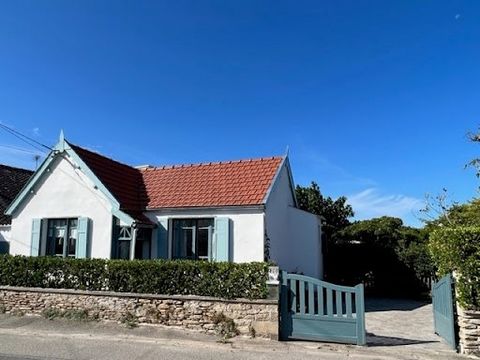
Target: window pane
{"x": 124, "y": 249}
{"x": 59, "y": 243}
{"x": 183, "y": 239}
{"x": 203, "y": 223}
{"x": 72, "y": 238}
{"x": 202, "y": 243}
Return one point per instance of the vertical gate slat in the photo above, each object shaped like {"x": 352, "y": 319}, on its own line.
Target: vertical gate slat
{"x": 348, "y": 304}
{"x": 338, "y": 298}
{"x": 329, "y": 302}
{"x": 320, "y": 300}
{"x": 311, "y": 298}
{"x": 302, "y": 297}
{"x": 360, "y": 314}
{"x": 293, "y": 295}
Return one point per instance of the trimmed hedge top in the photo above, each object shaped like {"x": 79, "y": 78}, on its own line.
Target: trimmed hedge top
{"x": 167, "y": 277}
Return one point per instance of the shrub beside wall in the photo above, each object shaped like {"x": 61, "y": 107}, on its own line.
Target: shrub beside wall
{"x": 458, "y": 250}
{"x": 168, "y": 277}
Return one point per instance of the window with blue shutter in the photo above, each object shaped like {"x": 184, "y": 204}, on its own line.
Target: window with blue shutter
{"x": 82, "y": 238}
{"x": 36, "y": 234}
{"x": 222, "y": 239}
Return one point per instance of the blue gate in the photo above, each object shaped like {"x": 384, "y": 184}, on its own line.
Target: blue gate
{"x": 311, "y": 309}
{"x": 443, "y": 316}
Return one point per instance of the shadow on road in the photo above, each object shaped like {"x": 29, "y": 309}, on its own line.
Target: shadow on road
{"x": 375, "y": 340}
{"x": 380, "y": 304}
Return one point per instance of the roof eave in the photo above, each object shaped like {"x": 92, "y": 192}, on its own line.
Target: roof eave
{"x": 212, "y": 207}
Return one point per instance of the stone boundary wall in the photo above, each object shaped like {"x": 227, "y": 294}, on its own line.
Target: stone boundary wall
{"x": 190, "y": 312}
{"x": 469, "y": 331}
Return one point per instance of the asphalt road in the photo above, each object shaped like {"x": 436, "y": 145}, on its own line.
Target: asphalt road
{"x": 404, "y": 333}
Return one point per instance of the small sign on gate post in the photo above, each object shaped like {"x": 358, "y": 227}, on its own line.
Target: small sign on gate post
{"x": 273, "y": 282}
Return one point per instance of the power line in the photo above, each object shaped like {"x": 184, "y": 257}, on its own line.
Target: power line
{"x": 5, "y": 146}
{"x": 26, "y": 139}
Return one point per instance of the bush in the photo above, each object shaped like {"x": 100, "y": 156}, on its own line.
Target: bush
{"x": 168, "y": 277}
{"x": 458, "y": 250}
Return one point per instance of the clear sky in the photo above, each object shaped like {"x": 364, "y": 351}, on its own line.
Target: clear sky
{"x": 373, "y": 98}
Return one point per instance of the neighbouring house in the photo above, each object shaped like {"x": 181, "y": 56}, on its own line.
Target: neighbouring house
{"x": 12, "y": 180}
{"x": 82, "y": 204}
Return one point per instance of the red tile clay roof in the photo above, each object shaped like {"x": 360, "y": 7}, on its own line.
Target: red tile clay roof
{"x": 231, "y": 183}
{"x": 123, "y": 181}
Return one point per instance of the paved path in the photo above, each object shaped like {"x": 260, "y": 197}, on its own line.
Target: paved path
{"x": 405, "y": 333}
{"x": 406, "y": 327}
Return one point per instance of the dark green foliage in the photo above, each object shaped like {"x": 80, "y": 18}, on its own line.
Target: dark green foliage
{"x": 336, "y": 213}
{"x": 390, "y": 258}
{"x": 458, "y": 250}
{"x": 129, "y": 320}
{"x": 379, "y": 268}
{"x": 70, "y": 314}
{"x": 225, "y": 326}
{"x": 384, "y": 231}
{"x": 177, "y": 277}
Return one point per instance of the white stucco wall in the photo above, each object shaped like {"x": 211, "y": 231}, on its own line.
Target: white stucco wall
{"x": 65, "y": 192}
{"x": 246, "y": 226}
{"x": 305, "y": 253}
{"x": 293, "y": 233}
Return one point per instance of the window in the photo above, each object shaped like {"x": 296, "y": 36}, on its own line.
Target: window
{"x": 123, "y": 241}
{"x": 62, "y": 237}
{"x": 125, "y": 235}
{"x": 192, "y": 239}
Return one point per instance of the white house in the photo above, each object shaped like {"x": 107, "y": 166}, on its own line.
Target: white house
{"x": 82, "y": 204}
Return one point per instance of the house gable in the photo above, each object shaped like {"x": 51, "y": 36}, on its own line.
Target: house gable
{"x": 63, "y": 192}
{"x": 64, "y": 150}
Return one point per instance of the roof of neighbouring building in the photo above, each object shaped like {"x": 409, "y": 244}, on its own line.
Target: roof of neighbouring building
{"x": 12, "y": 180}
{"x": 229, "y": 183}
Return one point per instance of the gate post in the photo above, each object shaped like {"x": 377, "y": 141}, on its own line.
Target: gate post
{"x": 360, "y": 313}
{"x": 282, "y": 319}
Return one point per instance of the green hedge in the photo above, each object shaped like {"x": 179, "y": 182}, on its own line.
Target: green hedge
{"x": 458, "y": 249}
{"x": 169, "y": 277}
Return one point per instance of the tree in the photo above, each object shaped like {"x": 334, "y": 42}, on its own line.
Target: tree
{"x": 456, "y": 215}
{"x": 335, "y": 213}
{"x": 390, "y": 257}
{"x": 475, "y": 137}
{"x": 384, "y": 232}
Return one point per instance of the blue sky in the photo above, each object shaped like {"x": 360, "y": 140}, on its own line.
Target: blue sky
{"x": 373, "y": 98}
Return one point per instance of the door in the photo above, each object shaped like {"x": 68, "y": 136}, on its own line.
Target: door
{"x": 443, "y": 310}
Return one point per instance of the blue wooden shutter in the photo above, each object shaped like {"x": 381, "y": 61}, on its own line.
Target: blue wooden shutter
{"x": 162, "y": 239}
{"x": 36, "y": 234}
{"x": 82, "y": 238}
{"x": 222, "y": 239}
